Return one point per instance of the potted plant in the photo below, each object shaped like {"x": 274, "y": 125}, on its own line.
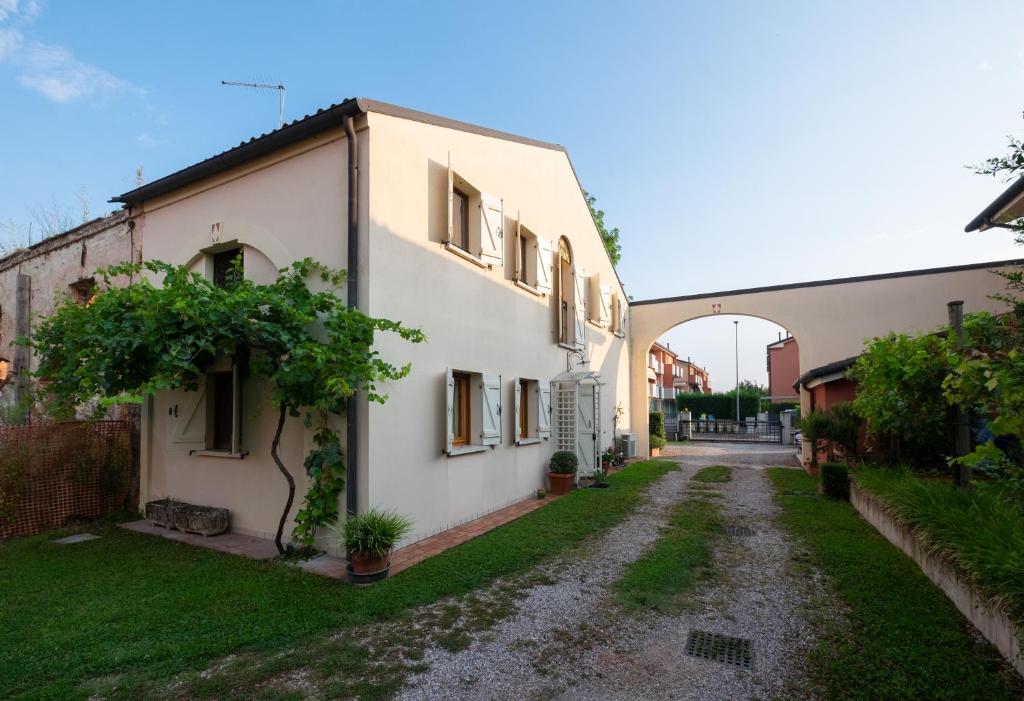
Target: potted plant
{"x": 562, "y": 471}
{"x": 369, "y": 538}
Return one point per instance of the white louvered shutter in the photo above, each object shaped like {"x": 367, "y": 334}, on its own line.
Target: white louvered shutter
{"x": 492, "y": 221}
{"x": 449, "y": 394}
{"x": 605, "y": 300}
{"x": 544, "y": 410}
{"x": 579, "y": 303}
{"x": 520, "y": 263}
{"x": 518, "y": 399}
{"x": 623, "y": 311}
{"x": 544, "y": 256}
{"x": 490, "y": 410}
{"x": 451, "y": 201}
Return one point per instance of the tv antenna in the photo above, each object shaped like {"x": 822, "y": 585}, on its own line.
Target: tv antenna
{"x": 264, "y": 86}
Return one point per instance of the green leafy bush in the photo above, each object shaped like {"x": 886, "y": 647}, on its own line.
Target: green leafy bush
{"x": 656, "y": 424}
{"x": 375, "y": 532}
{"x": 835, "y": 480}
{"x": 657, "y": 442}
{"x": 813, "y": 427}
{"x": 721, "y": 405}
{"x": 564, "y": 462}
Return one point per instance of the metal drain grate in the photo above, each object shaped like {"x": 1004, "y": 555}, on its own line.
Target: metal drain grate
{"x": 720, "y": 648}
{"x": 739, "y": 530}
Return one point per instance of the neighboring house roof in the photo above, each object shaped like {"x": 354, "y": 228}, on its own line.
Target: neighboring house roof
{"x": 665, "y": 349}
{"x": 837, "y": 367}
{"x": 82, "y": 231}
{"x": 1005, "y": 208}
{"x": 782, "y": 342}
{"x": 303, "y": 128}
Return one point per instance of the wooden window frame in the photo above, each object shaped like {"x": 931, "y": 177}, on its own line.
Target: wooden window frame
{"x": 460, "y": 421}
{"x": 460, "y": 196}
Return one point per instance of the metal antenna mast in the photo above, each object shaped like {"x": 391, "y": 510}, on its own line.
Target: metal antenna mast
{"x": 264, "y": 86}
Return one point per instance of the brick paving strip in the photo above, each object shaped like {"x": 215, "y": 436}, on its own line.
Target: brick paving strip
{"x": 331, "y": 566}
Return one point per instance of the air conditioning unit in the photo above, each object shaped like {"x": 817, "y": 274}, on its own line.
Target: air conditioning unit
{"x": 627, "y": 445}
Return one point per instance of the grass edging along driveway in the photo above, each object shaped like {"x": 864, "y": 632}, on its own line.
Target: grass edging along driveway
{"x": 144, "y": 607}
{"x": 682, "y": 554}
{"x": 900, "y": 637}
{"x": 979, "y": 531}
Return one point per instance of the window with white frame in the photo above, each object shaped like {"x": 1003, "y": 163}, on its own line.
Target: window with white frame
{"x": 619, "y": 315}
{"x": 532, "y": 415}
{"x": 533, "y": 260}
{"x": 473, "y": 411}
{"x": 476, "y": 221}
{"x": 572, "y": 296}
{"x": 600, "y": 302}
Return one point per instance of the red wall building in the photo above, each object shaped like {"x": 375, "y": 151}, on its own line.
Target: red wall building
{"x": 783, "y": 369}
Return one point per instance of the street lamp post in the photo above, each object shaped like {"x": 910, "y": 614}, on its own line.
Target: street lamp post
{"x": 736, "y": 325}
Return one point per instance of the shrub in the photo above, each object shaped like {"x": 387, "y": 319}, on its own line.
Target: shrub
{"x": 844, "y": 425}
{"x": 564, "y": 462}
{"x": 375, "y": 532}
{"x": 657, "y": 442}
{"x": 835, "y": 480}
{"x": 722, "y": 405}
{"x": 813, "y": 427}
{"x": 656, "y": 424}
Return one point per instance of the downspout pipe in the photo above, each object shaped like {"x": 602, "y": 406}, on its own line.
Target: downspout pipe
{"x": 352, "y": 406}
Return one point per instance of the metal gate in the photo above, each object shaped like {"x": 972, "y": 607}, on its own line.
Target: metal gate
{"x": 727, "y": 430}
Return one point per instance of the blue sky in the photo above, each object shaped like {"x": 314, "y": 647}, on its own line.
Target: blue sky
{"x": 735, "y": 144}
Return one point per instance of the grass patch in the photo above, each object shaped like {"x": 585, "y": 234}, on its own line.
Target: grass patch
{"x": 901, "y": 638}
{"x": 679, "y": 558}
{"x": 980, "y": 530}
{"x": 138, "y": 608}
{"x": 716, "y": 474}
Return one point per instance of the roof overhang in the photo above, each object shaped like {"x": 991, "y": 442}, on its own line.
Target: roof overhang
{"x": 1009, "y": 206}
{"x": 826, "y": 373}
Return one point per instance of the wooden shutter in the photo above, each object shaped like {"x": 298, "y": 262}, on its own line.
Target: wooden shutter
{"x": 517, "y": 403}
{"x": 543, "y": 410}
{"x": 191, "y": 415}
{"x": 451, "y": 205}
{"x": 490, "y": 409}
{"x": 580, "y": 305}
{"x": 623, "y": 310}
{"x": 544, "y": 256}
{"x": 520, "y": 263}
{"x": 492, "y": 221}
{"x": 449, "y": 394}
{"x": 605, "y": 301}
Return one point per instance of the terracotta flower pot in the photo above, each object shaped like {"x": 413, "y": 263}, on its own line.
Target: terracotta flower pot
{"x": 655, "y": 452}
{"x": 561, "y": 482}
{"x": 369, "y": 563}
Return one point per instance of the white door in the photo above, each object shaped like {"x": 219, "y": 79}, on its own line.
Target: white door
{"x": 586, "y": 428}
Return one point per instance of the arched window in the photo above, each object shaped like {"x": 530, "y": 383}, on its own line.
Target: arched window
{"x": 565, "y": 292}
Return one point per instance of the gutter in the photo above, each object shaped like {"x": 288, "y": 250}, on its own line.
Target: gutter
{"x": 352, "y": 300}
{"x": 984, "y": 220}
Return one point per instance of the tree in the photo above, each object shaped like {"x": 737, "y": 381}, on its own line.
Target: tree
{"x": 610, "y": 237}
{"x": 312, "y": 350}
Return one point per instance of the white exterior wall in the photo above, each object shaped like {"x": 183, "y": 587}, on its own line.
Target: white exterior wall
{"x": 284, "y": 207}
{"x": 475, "y": 319}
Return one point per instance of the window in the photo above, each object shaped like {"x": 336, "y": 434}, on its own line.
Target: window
{"x": 83, "y": 291}
{"x": 224, "y": 409}
{"x": 476, "y": 222}
{"x": 226, "y": 271}
{"x": 473, "y": 411}
{"x": 533, "y": 261}
{"x": 524, "y": 409}
{"x": 460, "y": 409}
{"x": 460, "y": 219}
{"x": 532, "y": 419}
{"x": 571, "y": 299}
{"x": 600, "y": 302}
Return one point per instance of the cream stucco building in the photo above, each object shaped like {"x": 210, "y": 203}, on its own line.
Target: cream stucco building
{"x": 481, "y": 239}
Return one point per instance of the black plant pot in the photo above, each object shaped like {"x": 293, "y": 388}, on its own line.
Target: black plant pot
{"x": 368, "y": 578}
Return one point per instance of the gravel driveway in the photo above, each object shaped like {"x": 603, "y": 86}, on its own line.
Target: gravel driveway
{"x": 568, "y": 640}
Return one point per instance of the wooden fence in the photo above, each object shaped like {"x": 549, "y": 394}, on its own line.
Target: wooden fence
{"x": 51, "y": 474}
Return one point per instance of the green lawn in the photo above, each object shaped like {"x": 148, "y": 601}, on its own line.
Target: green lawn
{"x": 681, "y": 556}
{"x": 901, "y": 638}
{"x": 145, "y": 608}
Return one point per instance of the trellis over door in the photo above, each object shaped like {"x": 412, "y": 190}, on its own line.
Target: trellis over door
{"x": 576, "y": 418}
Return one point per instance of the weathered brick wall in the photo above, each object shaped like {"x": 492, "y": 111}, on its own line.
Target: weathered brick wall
{"x": 51, "y": 268}
{"x": 51, "y": 474}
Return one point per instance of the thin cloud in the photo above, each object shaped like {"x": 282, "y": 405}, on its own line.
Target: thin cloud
{"x": 148, "y": 140}
{"x": 52, "y": 71}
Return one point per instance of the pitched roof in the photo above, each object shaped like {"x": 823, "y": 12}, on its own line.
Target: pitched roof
{"x": 303, "y": 128}
{"x": 1002, "y": 209}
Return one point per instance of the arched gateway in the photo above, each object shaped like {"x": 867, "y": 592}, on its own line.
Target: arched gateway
{"x": 832, "y": 318}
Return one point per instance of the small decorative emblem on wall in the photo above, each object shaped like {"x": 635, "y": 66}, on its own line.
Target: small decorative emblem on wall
{"x": 716, "y": 308}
